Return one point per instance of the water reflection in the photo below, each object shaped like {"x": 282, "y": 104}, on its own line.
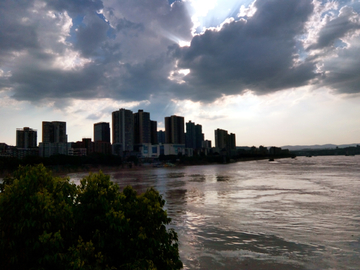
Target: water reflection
{"x": 175, "y": 202}
{"x": 175, "y": 175}
{"x": 294, "y": 214}
{"x": 197, "y": 178}
{"x": 222, "y": 178}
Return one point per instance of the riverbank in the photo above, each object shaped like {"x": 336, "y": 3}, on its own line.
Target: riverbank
{"x": 141, "y": 167}
{"x": 64, "y": 169}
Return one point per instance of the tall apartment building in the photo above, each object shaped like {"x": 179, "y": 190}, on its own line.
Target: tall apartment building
{"x": 199, "y": 136}
{"x": 194, "y": 136}
{"x": 142, "y": 127}
{"x": 206, "y": 144}
{"x": 26, "y": 137}
{"x": 101, "y": 142}
{"x": 174, "y": 130}
{"x": 190, "y": 139}
{"x": 123, "y": 129}
{"x": 225, "y": 140}
{"x": 54, "y": 132}
{"x": 54, "y": 139}
{"x": 232, "y": 141}
{"x": 221, "y": 138}
{"x": 102, "y": 132}
{"x": 161, "y": 136}
{"x": 153, "y": 132}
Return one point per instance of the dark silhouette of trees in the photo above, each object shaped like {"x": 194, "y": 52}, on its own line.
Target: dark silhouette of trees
{"x": 47, "y": 222}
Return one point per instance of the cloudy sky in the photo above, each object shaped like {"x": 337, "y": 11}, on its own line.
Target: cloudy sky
{"x": 274, "y": 72}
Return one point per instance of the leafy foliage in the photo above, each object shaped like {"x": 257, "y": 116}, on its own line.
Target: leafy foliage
{"x": 47, "y": 222}
{"x": 62, "y": 162}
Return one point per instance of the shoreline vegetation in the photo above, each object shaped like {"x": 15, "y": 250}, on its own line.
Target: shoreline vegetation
{"x": 62, "y": 164}
{"x": 48, "y": 222}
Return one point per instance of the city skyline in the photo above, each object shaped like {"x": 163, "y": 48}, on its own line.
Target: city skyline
{"x": 131, "y": 130}
{"x": 273, "y": 72}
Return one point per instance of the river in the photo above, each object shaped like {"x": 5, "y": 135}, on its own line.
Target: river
{"x": 301, "y": 213}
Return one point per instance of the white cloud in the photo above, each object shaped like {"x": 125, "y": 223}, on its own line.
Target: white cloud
{"x": 70, "y": 60}
{"x": 236, "y": 73}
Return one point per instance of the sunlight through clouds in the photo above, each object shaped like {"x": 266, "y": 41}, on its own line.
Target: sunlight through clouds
{"x": 273, "y": 67}
{"x": 208, "y": 14}
{"x": 70, "y": 60}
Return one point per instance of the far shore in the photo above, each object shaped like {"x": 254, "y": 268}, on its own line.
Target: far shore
{"x": 63, "y": 170}
{"x": 60, "y": 170}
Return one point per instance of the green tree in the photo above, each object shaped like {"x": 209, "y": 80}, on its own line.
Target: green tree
{"x": 47, "y": 222}
{"x": 36, "y": 217}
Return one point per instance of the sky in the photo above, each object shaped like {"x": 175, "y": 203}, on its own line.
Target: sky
{"x": 274, "y": 72}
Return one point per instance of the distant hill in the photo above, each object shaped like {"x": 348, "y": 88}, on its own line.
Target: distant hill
{"x": 317, "y": 146}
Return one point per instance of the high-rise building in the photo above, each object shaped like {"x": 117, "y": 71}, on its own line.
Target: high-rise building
{"x": 54, "y": 132}
{"x": 190, "y": 135}
{"x": 161, "y": 136}
{"x": 142, "y": 127}
{"x": 232, "y": 141}
{"x": 206, "y": 144}
{"x": 194, "y": 136}
{"x": 26, "y": 138}
{"x": 174, "y": 130}
{"x": 102, "y": 132}
{"x": 123, "y": 129}
{"x": 225, "y": 140}
{"x": 199, "y": 137}
{"x": 54, "y": 139}
{"x": 221, "y": 138}
{"x": 153, "y": 132}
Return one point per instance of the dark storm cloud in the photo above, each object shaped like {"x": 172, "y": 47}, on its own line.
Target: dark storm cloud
{"x": 279, "y": 18}
{"x": 141, "y": 80}
{"x": 155, "y": 16}
{"x": 75, "y": 7}
{"x": 18, "y": 31}
{"x": 177, "y": 21}
{"x": 43, "y": 83}
{"x": 91, "y": 34}
{"x": 257, "y": 54}
{"x": 343, "y": 72}
{"x": 346, "y": 23}
{"x": 126, "y": 25}
{"x": 15, "y": 36}
{"x": 31, "y": 40}
{"x": 126, "y": 62}
{"x": 127, "y": 50}
{"x": 340, "y": 66}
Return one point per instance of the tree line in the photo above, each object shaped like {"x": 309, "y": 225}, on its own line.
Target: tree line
{"x": 48, "y": 222}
